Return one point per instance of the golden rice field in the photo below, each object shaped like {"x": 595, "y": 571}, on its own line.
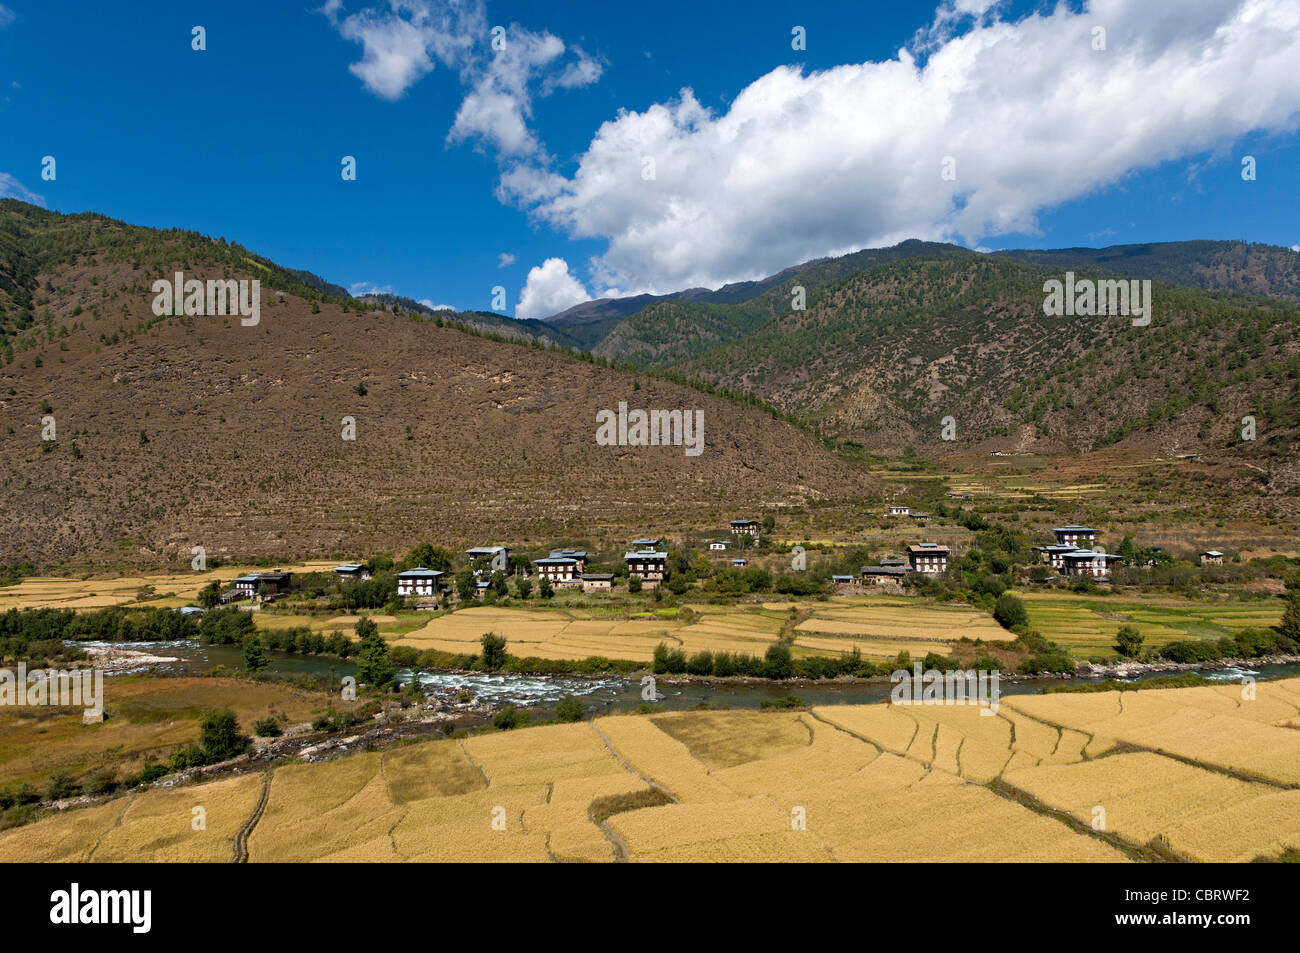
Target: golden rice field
{"x": 98, "y": 592}
{"x": 1209, "y": 774}
{"x": 879, "y": 627}
{"x": 1087, "y": 625}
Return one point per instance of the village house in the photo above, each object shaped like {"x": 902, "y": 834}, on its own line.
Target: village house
{"x": 1054, "y": 555}
{"x": 740, "y": 562}
{"x": 883, "y": 575}
{"x": 499, "y": 555}
{"x": 928, "y": 558}
{"x": 900, "y": 511}
{"x": 719, "y": 545}
{"x": 577, "y": 555}
{"x": 646, "y": 543}
{"x": 841, "y": 581}
{"x": 745, "y": 526}
{"x": 1080, "y": 537}
{"x": 271, "y": 583}
{"x": 352, "y": 572}
{"x": 560, "y": 570}
{"x": 418, "y": 581}
{"x": 1084, "y": 562}
{"x": 1211, "y": 557}
{"x": 648, "y": 565}
{"x": 597, "y": 581}
{"x": 919, "y": 516}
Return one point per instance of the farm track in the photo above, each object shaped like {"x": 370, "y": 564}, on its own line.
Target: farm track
{"x": 241, "y": 839}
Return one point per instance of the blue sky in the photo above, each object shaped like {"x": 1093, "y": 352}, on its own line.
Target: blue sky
{"x": 465, "y": 155}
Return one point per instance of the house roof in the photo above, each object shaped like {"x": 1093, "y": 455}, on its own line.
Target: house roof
{"x": 1089, "y": 554}
{"x": 843, "y": 578}
{"x": 1074, "y": 528}
{"x": 744, "y": 522}
{"x": 646, "y": 554}
{"x": 1211, "y": 552}
{"x": 648, "y": 541}
{"x": 485, "y": 550}
{"x": 928, "y": 548}
{"x": 554, "y": 560}
{"x": 597, "y": 576}
{"x": 349, "y": 567}
{"x": 573, "y": 553}
{"x": 419, "y": 572}
{"x": 883, "y": 570}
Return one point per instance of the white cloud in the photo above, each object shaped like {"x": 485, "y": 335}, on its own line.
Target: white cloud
{"x": 428, "y": 303}
{"x": 1295, "y": 247}
{"x": 400, "y": 44}
{"x": 550, "y": 289}
{"x": 11, "y": 188}
{"x": 505, "y": 260}
{"x": 359, "y": 288}
{"x": 6, "y": 16}
{"x": 806, "y": 165}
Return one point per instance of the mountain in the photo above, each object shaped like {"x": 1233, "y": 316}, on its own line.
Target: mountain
{"x": 1213, "y": 265}
{"x": 487, "y": 322}
{"x": 880, "y": 356}
{"x": 173, "y": 432}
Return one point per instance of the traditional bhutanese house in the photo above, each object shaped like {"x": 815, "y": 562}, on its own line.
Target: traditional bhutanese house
{"x": 719, "y": 545}
{"x": 745, "y": 526}
{"x": 577, "y": 555}
{"x": 597, "y": 581}
{"x": 1211, "y": 557}
{"x": 481, "y": 587}
{"x": 928, "y": 558}
{"x": 648, "y": 565}
{"x": 352, "y": 571}
{"x": 883, "y": 575}
{"x": 900, "y": 511}
{"x": 1054, "y": 555}
{"x": 647, "y": 543}
{"x": 919, "y": 516}
{"x": 418, "y": 581}
{"x": 190, "y": 611}
{"x": 894, "y": 561}
{"x": 1084, "y": 562}
{"x": 843, "y": 580}
{"x": 560, "y": 570}
{"x": 491, "y": 552}
{"x": 272, "y": 583}
{"x": 1079, "y": 536}
{"x": 740, "y": 562}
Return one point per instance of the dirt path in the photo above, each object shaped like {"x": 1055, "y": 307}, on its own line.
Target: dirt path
{"x": 241, "y": 839}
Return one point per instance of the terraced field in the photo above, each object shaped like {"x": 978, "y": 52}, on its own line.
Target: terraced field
{"x": 1087, "y": 625}
{"x": 98, "y": 592}
{"x": 1203, "y": 773}
{"x": 880, "y": 627}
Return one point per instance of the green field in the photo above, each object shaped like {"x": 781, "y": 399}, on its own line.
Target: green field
{"x": 1086, "y": 625}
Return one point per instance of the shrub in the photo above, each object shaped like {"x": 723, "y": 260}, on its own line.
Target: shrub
{"x": 267, "y": 728}
{"x": 508, "y": 718}
{"x": 1128, "y": 641}
{"x": 570, "y": 709}
{"x": 1009, "y": 611}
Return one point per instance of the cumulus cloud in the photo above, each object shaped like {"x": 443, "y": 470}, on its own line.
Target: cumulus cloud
{"x": 6, "y": 16}
{"x": 402, "y": 42}
{"x": 428, "y": 303}
{"x": 1295, "y": 247}
{"x": 550, "y": 289}
{"x": 11, "y": 188}
{"x": 821, "y": 163}
{"x": 505, "y": 260}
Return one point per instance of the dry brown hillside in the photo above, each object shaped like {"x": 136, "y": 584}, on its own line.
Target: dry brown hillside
{"x": 202, "y": 431}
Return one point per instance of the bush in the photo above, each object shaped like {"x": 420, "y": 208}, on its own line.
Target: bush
{"x": 267, "y": 728}
{"x": 1009, "y": 611}
{"x": 570, "y": 709}
{"x": 777, "y": 661}
{"x": 701, "y": 663}
{"x": 494, "y": 651}
{"x": 509, "y": 718}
